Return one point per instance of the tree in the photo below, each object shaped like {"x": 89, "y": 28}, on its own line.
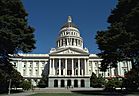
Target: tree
{"x": 96, "y": 82}
{"x": 120, "y": 41}
{"x": 131, "y": 80}
{"x": 16, "y": 36}
{"x": 44, "y": 81}
{"x": 26, "y": 85}
{"x": 112, "y": 84}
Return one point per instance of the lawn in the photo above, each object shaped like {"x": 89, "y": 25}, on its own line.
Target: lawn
{"x": 57, "y": 94}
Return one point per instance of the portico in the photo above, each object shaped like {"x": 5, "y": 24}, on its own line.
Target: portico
{"x": 68, "y": 66}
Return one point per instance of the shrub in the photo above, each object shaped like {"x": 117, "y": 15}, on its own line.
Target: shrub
{"x": 26, "y": 85}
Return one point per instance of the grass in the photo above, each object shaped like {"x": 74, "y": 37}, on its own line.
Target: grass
{"x": 90, "y": 93}
{"x": 57, "y": 94}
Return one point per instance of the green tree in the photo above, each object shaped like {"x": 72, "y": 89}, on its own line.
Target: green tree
{"x": 112, "y": 84}
{"x": 97, "y": 82}
{"x": 43, "y": 82}
{"x": 16, "y": 36}
{"x": 26, "y": 85}
{"x": 121, "y": 40}
{"x": 131, "y": 80}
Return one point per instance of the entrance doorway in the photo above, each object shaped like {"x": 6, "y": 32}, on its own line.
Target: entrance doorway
{"x": 75, "y": 83}
{"x": 82, "y": 83}
{"x": 55, "y": 83}
{"x": 62, "y": 83}
{"x": 69, "y": 83}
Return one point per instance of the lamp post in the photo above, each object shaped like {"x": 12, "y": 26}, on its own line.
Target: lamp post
{"x": 10, "y": 86}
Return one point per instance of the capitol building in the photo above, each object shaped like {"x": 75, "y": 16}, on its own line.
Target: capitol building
{"x": 69, "y": 64}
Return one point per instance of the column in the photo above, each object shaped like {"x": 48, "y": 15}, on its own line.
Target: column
{"x": 33, "y": 70}
{"x": 20, "y": 67}
{"x": 57, "y": 43}
{"x": 53, "y": 67}
{"x": 59, "y": 83}
{"x": 85, "y": 67}
{"x": 72, "y": 83}
{"x": 65, "y": 83}
{"x": 78, "y": 66}
{"x": 60, "y": 43}
{"x": 50, "y": 67}
{"x": 66, "y": 66}
{"x": 39, "y": 69}
{"x": 72, "y": 67}
{"x": 59, "y": 66}
{"x": 27, "y": 68}
{"x": 79, "y": 83}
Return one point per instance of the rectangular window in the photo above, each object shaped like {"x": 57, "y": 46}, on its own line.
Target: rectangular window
{"x": 43, "y": 64}
{"x": 30, "y": 72}
{"x": 61, "y": 72}
{"x": 76, "y": 72}
{"x": 31, "y": 64}
{"x": 24, "y": 64}
{"x": 37, "y": 64}
{"x": 24, "y": 72}
{"x": 37, "y": 72}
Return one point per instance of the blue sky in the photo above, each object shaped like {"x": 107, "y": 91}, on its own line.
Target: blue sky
{"x": 48, "y": 16}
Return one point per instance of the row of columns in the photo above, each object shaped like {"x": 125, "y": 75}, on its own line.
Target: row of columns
{"x": 32, "y": 68}
{"x": 52, "y": 64}
{"x": 69, "y": 41}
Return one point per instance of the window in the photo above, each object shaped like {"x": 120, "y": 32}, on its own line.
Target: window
{"x": 31, "y": 64}
{"x": 14, "y": 64}
{"x": 124, "y": 64}
{"x": 24, "y": 64}
{"x": 57, "y": 64}
{"x": 24, "y": 72}
{"x": 43, "y": 64}
{"x": 124, "y": 71}
{"x": 37, "y": 64}
{"x": 61, "y": 72}
{"x": 96, "y": 64}
{"x": 76, "y": 72}
{"x": 30, "y": 72}
{"x": 76, "y": 64}
{"x": 96, "y": 71}
{"x": 108, "y": 74}
{"x": 62, "y": 65}
{"x": 90, "y": 63}
{"x": 57, "y": 72}
{"x": 37, "y": 72}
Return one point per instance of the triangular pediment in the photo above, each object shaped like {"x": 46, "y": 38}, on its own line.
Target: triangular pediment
{"x": 71, "y": 51}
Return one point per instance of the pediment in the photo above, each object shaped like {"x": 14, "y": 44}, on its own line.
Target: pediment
{"x": 68, "y": 51}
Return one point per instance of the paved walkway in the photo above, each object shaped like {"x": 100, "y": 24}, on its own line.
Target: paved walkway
{"x": 59, "y": 90}
{"x": 19, "y": 94}
{"x": 50, "y": 90}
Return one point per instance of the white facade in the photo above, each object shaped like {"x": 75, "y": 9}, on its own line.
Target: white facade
{"x": 69, "y": 64}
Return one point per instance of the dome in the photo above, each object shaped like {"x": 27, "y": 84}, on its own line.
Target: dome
{"x": 69, "y": 36}
{"x": 69, "y": 23}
